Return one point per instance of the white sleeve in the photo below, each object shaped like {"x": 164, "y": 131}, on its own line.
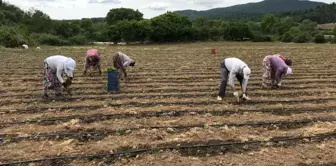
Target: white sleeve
{"x": 59, "y": 73}
{"x": 127, "y": 63}
{"x": 232, "y": 75}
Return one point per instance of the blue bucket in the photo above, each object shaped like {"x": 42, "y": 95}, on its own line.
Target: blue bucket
{"x": 113, "y": 81}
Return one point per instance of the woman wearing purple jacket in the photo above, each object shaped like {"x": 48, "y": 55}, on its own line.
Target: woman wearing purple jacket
{"x": 275, "y": 68}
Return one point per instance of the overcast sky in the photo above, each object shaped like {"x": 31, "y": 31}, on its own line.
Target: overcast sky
{"x": 76, "y": 9}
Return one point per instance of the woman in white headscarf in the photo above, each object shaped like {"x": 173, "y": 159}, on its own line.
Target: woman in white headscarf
{"x": 232, "y": 68}
{"x": 54, "y": 69}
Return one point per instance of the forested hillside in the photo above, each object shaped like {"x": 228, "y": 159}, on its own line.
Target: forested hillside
{"x": 321, "y": 14}
{"x": 252, "y": 10}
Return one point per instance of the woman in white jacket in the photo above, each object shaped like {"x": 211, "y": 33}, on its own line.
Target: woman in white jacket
{"x": 121, "y": 61}
{"x": 54, "y": 69}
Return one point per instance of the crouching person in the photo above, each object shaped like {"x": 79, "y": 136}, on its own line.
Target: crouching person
{"x": 121, "y": 61}
{"x": 267, "y": 69}
{"x": 92, "y": 59}
{"x": 54, "y": 69}
{"x": 231, "y": 68}
{"x": 274, "y": 68}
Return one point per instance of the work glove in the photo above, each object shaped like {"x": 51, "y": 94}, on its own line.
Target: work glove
{"x": 68, "y": 82}
{"x": 65, "y": 85}
{"x": 246, "y": 97}
{"x": 236, "y": 94}
{"x": 219, "y": 98}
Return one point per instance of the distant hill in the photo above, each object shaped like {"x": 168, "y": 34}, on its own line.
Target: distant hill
{"x": 253, "y": 10}
{"x": 321, "y": 14}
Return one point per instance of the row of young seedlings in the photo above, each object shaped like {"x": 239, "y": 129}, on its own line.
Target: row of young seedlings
{"x": 157, "y": 86}
{"x": 168, "y": 113}
{"x": 183, "y": 93}
{"x": 85, "y": 135}
{"x": 81, "y": 93}
{"x": 39, "y": 109}
{"x": 196, "y": 148}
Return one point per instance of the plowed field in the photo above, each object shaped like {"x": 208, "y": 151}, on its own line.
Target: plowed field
{"x": 167, "y": 112}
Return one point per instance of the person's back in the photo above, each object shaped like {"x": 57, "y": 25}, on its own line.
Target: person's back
{"x": 124, "y": 58}
{"x": 92, "y": 52}
{"x": 278, "y": 64}
{"x": 55, "y": 61}
{"x": 279, "y": 68}
{"x": 234, "y": 63}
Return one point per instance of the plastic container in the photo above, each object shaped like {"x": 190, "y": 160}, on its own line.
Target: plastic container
{"x": 113, "y": 81}
{"x": 213, "y": 51}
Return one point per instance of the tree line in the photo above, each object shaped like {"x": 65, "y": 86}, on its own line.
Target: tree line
{"x": 128, "y": 25}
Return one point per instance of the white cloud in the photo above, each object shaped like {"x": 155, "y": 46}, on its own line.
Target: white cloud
{"x": 157, "y": 6}
{"x": 105, "y": 1}
{"x": 207, "y": 3}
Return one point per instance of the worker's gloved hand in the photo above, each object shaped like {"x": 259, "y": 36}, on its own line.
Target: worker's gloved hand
{"x": 236, "y": 94}
{"x": 65, "y": 85}
{"x": 246, "y": 97}
{"x": 219, "y": 98}
{"x": 68, "y": 82}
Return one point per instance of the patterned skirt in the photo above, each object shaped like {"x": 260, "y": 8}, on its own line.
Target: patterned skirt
{"x": 267, "y": 69}
{"x": 50, "y": 80}
{"x": 116, "y": 61}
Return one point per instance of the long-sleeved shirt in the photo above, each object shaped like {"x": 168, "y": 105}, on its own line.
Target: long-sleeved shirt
{"x": 235, "y": 66}
{"x": 56, "y": 64}
{"x": 125, "y": 60}
{"x": 279, "y": 67}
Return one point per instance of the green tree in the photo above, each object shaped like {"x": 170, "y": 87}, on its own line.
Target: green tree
{"x": 120, "y": 14}
{"x": 260, "y": 37}
{"x": 170, "y": 27}
{"x": 334, "y": 31}
{"x": 127, "y": 30}
{"x": 114, "y": 34}
{"x": 268, "y": 23}
{"x": 86, "y": 28}
{"x": 254, "y": 26}
{"x": 308, "y": 26}
{"x": 237, "y": 32}
{"x": 142, "y": 30}
{"x": 201, "y": 22}
{"x": 40, "y": 22}
{"x": 319, "y": 38}
{"x": 203, "y": 33}
{"x": 302, "y": 37}
{"x": 294, "y": 31}
{"x": 287, "y": 37}
{"x": 11, "y": 37}
{"x": 215, "y": 33}
{"x": 100, "y": 32}
{"x": 63, "y": 29}
{"x": 284, "y": 25}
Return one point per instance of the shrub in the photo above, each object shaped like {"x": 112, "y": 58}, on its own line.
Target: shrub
{"x": 11, "y": 38}
{"x": 301, "y": 38}
{"x": 259, "y": 37}
{"x": 53, "y": 40}
{"x": 287, "y": 37}
{"x": 333, "y": 40}
{"x": 319, "y": 38}
{"x": 78, "y": 40}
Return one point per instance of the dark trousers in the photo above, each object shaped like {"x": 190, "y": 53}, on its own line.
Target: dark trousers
{"x": 224, "y": 78}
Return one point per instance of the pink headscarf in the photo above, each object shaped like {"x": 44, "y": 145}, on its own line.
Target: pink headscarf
{"x": 92, "y": 52}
